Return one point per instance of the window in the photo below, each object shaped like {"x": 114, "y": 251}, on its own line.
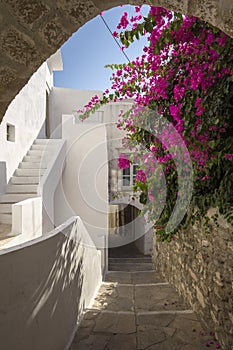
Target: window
{"x": 128, "y": 175}
{"x": 10, "y": 132}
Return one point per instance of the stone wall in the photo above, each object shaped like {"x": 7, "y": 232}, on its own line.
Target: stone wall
{"x": 200, "y": 265}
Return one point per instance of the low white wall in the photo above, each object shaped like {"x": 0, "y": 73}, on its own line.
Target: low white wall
{"x": 27, "y": 114}
{"x": 49, "y": 182}
{"x": 45, "y": 285}
{"x": 26, "y": 220}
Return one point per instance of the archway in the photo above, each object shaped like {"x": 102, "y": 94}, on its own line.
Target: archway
{"x": 32, "y": 31}
{"x": 130, "y": 236}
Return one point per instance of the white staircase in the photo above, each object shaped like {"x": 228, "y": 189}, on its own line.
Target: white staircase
{"x": 25, "y": 181}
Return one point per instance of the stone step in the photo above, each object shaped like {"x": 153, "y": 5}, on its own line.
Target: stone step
{"x": 29, "y": 172}
{"x": 146, "y": 259}
{"x": 22, "y": 188}
{"x": 5, "y": 208}
{"x": 134, "y": 277}
{"x": 33, "y": 165}
{"x": 130, "y": 266}
{"x": 16, "y": 197}
{"x": 5, "y": 218}
{"x": 25, "y": 180}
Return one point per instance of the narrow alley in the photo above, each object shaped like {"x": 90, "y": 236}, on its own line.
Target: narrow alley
{"x": 136, "y": 309}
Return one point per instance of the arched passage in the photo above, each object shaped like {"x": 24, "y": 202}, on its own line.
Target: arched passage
{"x": 33, "y": 30}
{"x": 129, "y": 233}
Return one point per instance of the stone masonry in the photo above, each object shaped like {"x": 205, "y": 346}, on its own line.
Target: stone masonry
{"x": 200, "y": 266}
{"x": 31, "y": 31}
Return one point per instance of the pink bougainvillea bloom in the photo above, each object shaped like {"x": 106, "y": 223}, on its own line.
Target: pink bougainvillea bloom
{"x": 209, "y": 39}
{"x": 229, "y": 156}
{"x": 115, "y": 34}
{"x": 123, "y": 161}
{"x": 200, "y": 109}
{"x": 101, "y": 13}
{"x": 137, "y": 8}
{"x": 140, "y": 176}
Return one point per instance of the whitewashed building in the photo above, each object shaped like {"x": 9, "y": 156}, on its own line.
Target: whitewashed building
{"x": 54, "y": 166}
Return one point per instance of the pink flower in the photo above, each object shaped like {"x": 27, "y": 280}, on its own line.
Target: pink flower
{"x": 175, "y": 111}
{"x": 229, "y": 156}
{"x": 124, "y": 21}
{"x": 140, "y": 176}
{"x": 123, "y": 162}
{"x": 115, "y": 34}
{"x": 221, "y": 40}
{"x": 137, "y": 8}
{"x": 209, "y": 39}
{"x": 200, "y": 109}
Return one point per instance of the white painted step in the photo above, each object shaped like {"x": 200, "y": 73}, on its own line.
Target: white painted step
{"x": 25, "y": 180}
{"x": 39, "y": 147}
{"x": 32, "y": 165}
{"x": 43, "y": 146}
{"x": 46, "y": 141}
{"x": 5, "y": 208}
{"x": 21, "y": 188}
{"x": 16, "y": 197}
{"x": 29, "y": 172}
{"x": 6, "y": 218}
{"x": 36, "y": 159}
{"x": 36, "y": 153}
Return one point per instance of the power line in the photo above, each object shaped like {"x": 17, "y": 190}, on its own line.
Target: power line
{"x": 107, "y": 26}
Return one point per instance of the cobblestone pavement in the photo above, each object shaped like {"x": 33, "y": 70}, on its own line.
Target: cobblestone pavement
{"x": 139, "y": 310}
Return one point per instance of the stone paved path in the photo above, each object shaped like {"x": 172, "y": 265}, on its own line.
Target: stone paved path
{"x": 138, "y": 310}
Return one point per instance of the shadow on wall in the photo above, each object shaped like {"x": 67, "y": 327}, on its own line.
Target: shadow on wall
{"x": 41, "y": 295}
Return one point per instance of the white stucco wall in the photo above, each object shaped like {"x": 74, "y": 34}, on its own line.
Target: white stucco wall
{"x": 145, "y": 243}
{"x": 27, "y": 114}
{"x": 66, "y": 101}
{"x": 83, "y": 188}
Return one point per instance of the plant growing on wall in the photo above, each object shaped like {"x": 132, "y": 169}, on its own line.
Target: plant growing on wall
{"x": 180, "y": 124}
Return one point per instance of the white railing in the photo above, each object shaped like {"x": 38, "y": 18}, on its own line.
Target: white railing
{"x": 49, "y": 182}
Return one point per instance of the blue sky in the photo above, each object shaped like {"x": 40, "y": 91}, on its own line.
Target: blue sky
{"x": 92, "y": 47}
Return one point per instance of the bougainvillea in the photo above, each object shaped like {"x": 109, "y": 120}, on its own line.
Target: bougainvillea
{"x": 184, "y": 77}
{"x": 123, "y": 161}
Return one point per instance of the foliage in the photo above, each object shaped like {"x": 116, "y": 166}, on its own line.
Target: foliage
{"x": 182, "y": 87}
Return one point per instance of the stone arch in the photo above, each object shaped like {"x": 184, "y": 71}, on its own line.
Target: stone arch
{"x": 30, "y": 31}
